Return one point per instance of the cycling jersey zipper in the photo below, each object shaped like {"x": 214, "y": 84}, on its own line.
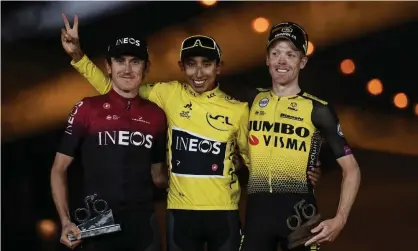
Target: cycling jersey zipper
{"x": 128, "y": 105}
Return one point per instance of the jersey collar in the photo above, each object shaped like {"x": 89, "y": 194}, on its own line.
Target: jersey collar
{"x": 114, "y": 96}
{"x": 274, "y": 96}
{"x": 206, "y": 95}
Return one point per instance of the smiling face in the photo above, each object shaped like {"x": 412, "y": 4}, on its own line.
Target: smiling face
{"x": 127, "y": 72}
{"x": 284, "y": 62}
{"x": 200, "y": 73}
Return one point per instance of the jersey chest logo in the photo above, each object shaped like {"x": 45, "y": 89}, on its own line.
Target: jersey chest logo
{"x": 124, "y": 138}
{"x": 187, "y": 110}
{"x": 141, "y": 120}
{"x": 293, "y": 106}
{"x": 219, "y": 122}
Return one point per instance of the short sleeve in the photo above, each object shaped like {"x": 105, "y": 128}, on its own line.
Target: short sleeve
{"x": 326, "y": 121}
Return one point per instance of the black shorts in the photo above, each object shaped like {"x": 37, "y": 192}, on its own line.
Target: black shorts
{"x": 140, "y": 232}
{"x": 189, "y": 230}
{"x": 266, "y": 225}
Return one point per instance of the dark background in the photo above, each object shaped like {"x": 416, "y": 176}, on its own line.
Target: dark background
{"x": 384, "y": 215}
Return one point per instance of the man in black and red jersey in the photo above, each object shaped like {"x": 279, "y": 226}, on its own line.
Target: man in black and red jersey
{"x": 122, "y": 139}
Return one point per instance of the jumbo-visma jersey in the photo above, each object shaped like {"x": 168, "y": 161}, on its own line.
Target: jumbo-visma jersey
{"x": 203, "y": 130}
{"x": 285, "y": 136}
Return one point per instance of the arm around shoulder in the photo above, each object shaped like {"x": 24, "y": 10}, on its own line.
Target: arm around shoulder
{"x": 93, "y": 74}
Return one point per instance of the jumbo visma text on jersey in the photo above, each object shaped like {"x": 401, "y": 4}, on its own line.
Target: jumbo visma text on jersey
{"x": 278, "y": 140}
{"x": 284, "y": 144}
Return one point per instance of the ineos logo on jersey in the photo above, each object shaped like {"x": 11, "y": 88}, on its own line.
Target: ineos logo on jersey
{"x": 197, "y": 145}
{"x": 193, "y": 154}
{"x": 124, "y": 138}
{"x": 71, "y": 117}
{"x": 219, "y": 122}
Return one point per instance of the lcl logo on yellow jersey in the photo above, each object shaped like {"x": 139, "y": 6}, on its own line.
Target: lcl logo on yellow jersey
{"x": 219, "y": 122}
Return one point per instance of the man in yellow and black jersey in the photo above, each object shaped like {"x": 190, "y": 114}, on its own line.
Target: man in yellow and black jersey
{"x": 205, "y": 127}
{"x": 286, "y": 128}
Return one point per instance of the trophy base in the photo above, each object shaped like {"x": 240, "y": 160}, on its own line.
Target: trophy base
{"x": 301, "y": 235}
{"x": 96, "y": 231}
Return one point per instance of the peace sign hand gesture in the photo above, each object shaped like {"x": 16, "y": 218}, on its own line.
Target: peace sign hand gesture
{"x": 69, "y": 39}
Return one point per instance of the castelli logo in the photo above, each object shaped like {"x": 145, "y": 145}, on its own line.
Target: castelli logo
{"x": 106, "y": 106}
{"x": 214, "y": 167}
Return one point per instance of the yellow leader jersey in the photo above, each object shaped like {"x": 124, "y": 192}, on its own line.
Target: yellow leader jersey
{"x": 285, "y": 139}
{"x": 203, "y": 132}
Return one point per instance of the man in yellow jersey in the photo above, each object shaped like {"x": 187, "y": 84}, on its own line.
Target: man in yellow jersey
{"x": 206, "y": 129}
{"x": 286, "y": 129}
{"x": 204, "y": 126}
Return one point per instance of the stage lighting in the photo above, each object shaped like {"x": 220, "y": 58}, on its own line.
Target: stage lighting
{"x": 375, "y": 87}
{"x": 347, "y": 66}
{"x": 400, "y": 100}
{"x": 260, "y": 24}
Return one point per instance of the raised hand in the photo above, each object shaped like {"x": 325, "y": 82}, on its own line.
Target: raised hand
{"x": 70, "y": 40}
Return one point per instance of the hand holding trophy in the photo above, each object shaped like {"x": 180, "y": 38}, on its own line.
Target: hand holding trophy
{"x": 301, "y": 223}
{"x": 101, "y": 223}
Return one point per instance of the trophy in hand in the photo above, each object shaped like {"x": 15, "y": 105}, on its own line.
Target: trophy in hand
{"x": 302, "y": 223}
{"x": 101, "y": 223}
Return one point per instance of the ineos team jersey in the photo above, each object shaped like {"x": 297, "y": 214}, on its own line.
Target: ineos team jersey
{"x": 203, "y": 130}
{"x": 119, "y": 139}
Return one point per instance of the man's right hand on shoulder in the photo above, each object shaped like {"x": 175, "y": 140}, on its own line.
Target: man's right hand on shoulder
{"x": 68, "y": 228}
{"x": 70, "y": 40}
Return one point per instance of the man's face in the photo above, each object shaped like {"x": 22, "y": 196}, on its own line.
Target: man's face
{"x": 284, "y": 62}
{"x": 200, "y": 73}
{"x": 127, "y": 72}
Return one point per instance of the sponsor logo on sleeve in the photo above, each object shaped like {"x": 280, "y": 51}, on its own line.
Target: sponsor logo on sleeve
{"x": 339, "y": 131}
{"x": 71, "y": 117}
